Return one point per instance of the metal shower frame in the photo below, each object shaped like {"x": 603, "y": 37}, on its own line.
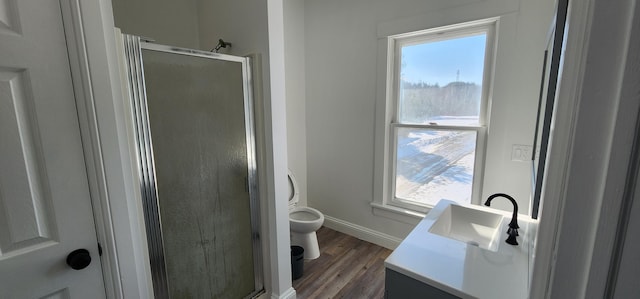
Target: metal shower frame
{"x": 133, "y": 46}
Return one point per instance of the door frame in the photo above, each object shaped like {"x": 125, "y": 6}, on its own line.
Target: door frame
{"x": 92, "y": 45}
{"x": 588, "y": 169}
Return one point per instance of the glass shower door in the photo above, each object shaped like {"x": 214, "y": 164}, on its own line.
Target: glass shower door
{"x": 202, "y": 219}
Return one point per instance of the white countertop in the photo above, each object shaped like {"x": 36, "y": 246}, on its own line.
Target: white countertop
{"x": 465, "y": 270}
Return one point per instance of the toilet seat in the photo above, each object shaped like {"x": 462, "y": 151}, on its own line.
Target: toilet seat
{"x": 302, "y": 219}
{"x": 304, "y": 214}
{"x": 294, "y": 193}
{"x": 305, "y": 219}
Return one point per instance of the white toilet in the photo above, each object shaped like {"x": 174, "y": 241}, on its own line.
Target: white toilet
{"x": 304, "y": 222}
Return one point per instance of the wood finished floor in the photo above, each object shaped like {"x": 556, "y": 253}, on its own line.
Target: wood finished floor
{"x": 347, "y": 268}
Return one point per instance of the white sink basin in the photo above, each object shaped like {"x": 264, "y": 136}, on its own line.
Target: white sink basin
{"x": 472, "y": 226}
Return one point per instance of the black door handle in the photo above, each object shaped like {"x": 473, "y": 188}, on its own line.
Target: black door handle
{"x": 79, "y": 259}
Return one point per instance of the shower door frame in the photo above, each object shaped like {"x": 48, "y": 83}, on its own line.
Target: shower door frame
{"x": 133, "y": 46}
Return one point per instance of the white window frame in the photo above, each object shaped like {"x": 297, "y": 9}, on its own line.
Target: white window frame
{"x": 394, "y": 44}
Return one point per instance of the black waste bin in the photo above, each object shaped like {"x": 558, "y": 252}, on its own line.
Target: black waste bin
{"x": 297, "y": 262}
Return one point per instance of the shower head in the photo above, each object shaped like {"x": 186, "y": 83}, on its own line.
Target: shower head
{"x": 221, "y": 44}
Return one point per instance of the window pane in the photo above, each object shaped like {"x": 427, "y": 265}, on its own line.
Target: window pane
{"x": 441, "y": 81}
{"x": 434, "y": 164}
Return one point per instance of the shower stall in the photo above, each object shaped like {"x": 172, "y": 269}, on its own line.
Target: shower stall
{"x": 193, "y": 121}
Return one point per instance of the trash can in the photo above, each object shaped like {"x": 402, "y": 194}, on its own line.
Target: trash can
{"x": 297, "y": 262}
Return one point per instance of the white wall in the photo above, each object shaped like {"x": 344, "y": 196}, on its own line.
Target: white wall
{"x": 296, "y": 104}
{"x": 166, "y": 21}
{"x": 515, "y": 100}
{"x": 243, "y": 23}
{"x": 341, "y": 45}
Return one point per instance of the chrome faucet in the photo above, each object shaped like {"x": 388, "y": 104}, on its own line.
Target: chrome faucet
{"x": 513, "y": 225}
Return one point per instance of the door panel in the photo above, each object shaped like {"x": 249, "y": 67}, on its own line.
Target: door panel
{"x": 8, "y": 17}
{"x": 45, "y": 206}
{"x": 197, "y": 122}
{"x": 25, "y": 195}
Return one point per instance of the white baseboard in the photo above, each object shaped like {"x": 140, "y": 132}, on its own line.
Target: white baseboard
{"x": 362, "y": 233}
{"x": 288, "y": 294}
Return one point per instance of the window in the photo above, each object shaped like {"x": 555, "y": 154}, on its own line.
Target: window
{"x": 439, "y": 86}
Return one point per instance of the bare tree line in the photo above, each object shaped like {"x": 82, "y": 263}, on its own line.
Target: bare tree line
{"x": 422, "y": 102}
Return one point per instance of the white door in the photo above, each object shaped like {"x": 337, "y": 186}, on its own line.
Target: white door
{"x": 45, "y": 208}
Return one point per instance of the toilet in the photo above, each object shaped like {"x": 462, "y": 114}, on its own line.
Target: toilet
{"x": 303, "y": 222}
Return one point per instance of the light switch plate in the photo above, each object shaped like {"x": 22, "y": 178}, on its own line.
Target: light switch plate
{"x": 521, "y": 153}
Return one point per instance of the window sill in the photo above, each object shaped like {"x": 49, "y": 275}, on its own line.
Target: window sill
{"x": 395, "y": 213}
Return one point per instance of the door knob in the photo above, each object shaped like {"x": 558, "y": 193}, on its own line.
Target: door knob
{"x": 79, "y": 259}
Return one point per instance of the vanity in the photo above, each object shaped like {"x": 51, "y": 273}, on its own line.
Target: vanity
{"x": 459, "y": 251}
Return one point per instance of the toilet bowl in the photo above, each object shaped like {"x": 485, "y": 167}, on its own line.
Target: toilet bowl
{"x": 303, "y": 222}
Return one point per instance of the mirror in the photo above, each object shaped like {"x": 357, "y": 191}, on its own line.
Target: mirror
{"x": 550, "y": 71}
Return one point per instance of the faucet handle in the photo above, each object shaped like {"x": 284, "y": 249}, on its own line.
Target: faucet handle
{"x": 514, "y": 224}
{"x": 512, "y": 236}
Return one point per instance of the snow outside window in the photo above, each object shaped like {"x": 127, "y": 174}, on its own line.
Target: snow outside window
{"x": 437, "y": 133}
